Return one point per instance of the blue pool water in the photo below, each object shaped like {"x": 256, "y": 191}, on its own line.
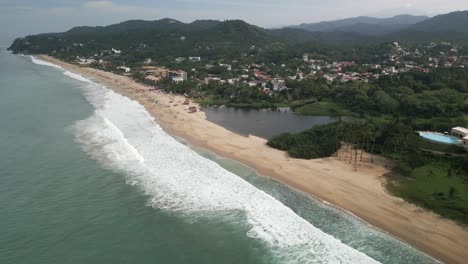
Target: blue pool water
{"x": 446, "y": 139}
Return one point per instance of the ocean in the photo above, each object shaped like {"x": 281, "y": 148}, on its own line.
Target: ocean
{"x": 89, "y": 177}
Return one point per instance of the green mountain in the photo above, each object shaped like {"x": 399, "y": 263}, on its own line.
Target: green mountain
{"x": 451, "y": 22}
{"x": 364, "y": 25}
{"x": 164, "y": 39}
{"x": 447, "y": 27}
{"x": 299, "y": 36}
{"x": 167, "y": 39}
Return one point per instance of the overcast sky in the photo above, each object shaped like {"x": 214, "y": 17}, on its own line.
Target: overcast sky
{"x": 21, "y": 17}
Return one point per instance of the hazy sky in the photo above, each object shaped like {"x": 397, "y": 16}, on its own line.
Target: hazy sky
{"x": 20, "y": 17}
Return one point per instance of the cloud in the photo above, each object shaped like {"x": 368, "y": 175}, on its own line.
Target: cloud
{"x": 109, "y": 8}
{"x": 60, "y": 11}
{"x": 99, "y": 4}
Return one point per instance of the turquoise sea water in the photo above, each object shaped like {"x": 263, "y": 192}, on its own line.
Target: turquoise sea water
{"x": 88, "y": 177}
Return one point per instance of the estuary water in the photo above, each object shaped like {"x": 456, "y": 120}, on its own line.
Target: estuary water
{"x": 263, "y": 123}
{"x": 87, "y": 176}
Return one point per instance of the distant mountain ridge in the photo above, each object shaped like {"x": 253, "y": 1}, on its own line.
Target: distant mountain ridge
{"x": 447, "y": 27}
{"x": 451, "y": 22}
{"x": 169, "y": 37}
{"x": 364, "y": 25}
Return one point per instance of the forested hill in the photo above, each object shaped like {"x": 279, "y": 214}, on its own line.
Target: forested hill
{"x": 160, "y": 38}
{"x": 169, "y": 38}
{"x": 452, "y": 22}
{"x": 448, "y": 27}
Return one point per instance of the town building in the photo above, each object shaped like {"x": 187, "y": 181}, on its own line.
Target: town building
{"x": 178, "y": 76}
{"x": 85, "y": 61}
{"x": 152, "y": 79}
{"x": 278, "y": 85}
{"x": 180, "y": 59}
{"x": 125, "y": 69}
{"x": 155, "y": 71}
{"x": 116, "y": 51}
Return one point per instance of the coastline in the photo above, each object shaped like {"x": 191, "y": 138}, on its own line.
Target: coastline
{"x": 332, "y": 180}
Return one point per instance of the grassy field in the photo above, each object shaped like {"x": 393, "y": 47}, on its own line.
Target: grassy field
{"x": 446, "y": 148}
{"x": 213, "y": 101}
{"x": 437, "y": 187}
{"x": 322, "y": 108}
{"x": 209, "y": 101}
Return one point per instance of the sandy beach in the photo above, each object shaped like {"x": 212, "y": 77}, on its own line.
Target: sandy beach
{"x": 333, "y": 180}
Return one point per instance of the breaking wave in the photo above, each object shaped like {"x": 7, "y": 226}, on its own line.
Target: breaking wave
{"x": 44, "y": 63}
{"x": 122, "y": 136}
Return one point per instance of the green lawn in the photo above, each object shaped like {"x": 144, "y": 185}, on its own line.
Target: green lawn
{"x": 439, "y": 147}
{"x": 433, "y": 187}
{"x": 322, "y": 108}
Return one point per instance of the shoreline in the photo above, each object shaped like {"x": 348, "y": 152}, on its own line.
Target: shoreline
{"x": 331, "y": 180}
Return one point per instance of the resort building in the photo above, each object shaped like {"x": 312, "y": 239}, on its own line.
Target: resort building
{"x": 459, "y": 132}
{"x": 465, "y": 143}
{"x": 152, "y": 79}
{"x": 155, "y": 71}
{"x": 462, "y": 134}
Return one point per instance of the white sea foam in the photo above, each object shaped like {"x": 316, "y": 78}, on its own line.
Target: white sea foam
{"x": 44, "y": 63}
{"x": 121, "y": 135}
{"x": 77, "y": 77}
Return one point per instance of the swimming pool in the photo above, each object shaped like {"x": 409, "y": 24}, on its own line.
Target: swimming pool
{"x": 439, "y": 138}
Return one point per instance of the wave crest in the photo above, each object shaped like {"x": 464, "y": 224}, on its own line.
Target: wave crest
{"x": 121, "y": 135}
{"x": 44, "y": 63}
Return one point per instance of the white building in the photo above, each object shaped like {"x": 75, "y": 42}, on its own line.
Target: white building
{"x": 178, "y": 76}
{"x": 195, "y": 58}
{"x": 462, "y": 134}
{"x": 85, "y": 61}
{"x": 125, "y": 69}
{"x": 177, "y": 79}
{"x": 180, "y": 59}
{"x": 278, "y": 85}
{"x": 459, "y": 132}
{"x": 115, "y": 51}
